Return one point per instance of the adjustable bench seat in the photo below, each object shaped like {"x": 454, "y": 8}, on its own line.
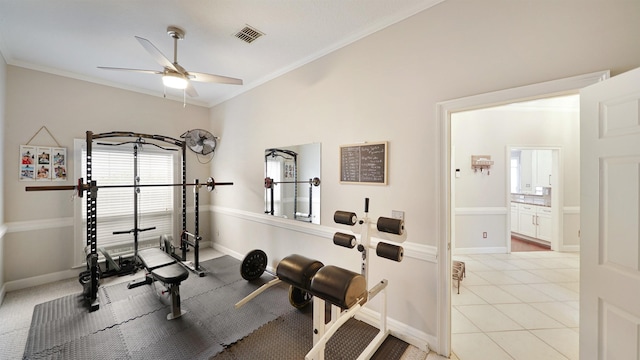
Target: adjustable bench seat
{"x": 164, "y": 268}
{"x": 154, "y": 258}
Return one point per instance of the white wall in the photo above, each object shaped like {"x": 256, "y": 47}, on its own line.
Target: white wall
{"x": 39, "y": 244}
{"x": 481, "y": 201}
{"x": 3, "y": 93}
{"x": 386, "y": 87}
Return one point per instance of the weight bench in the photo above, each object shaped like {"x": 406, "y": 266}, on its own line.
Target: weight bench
{"x": 162, "y": 267}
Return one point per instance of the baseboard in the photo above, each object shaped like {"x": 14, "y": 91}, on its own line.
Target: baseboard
{"x": 225, "y": 250}
{"x": 403, "y": 332}
{"x": 570, "y": 248}
{"x": 40, "y": 280}
{"x": 2, "y": 294}
{"x": 480, "y": 250}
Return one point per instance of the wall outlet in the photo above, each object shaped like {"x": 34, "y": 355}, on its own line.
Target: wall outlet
{"x": 484, "y": 235}
{"x": 397, "y": 214}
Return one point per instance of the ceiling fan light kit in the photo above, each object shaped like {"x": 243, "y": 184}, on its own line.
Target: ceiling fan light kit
{"x": 173, "y": 75}
{"x": 175, "y": 80}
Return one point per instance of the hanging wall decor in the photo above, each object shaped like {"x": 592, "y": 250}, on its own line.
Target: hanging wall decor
{"x": 43, "y": 163}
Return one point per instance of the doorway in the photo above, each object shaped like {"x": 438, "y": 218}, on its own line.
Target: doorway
{"x": 447, "y": 172}
{"x": 508, "y": 298}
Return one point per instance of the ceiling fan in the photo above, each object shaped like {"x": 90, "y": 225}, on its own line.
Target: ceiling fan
{"x": 174, "y": 75}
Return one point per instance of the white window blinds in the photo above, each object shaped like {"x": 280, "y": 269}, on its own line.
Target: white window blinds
{"x": 114, "y": 165}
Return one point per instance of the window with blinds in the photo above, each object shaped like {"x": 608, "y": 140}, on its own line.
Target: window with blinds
{"x": 114, "y": 165}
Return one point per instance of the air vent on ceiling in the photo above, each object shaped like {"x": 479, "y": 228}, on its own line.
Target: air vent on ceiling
{"x": 249, "y": 34}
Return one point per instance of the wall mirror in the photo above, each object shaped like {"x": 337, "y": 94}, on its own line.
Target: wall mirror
{"x": 292, "y": 182}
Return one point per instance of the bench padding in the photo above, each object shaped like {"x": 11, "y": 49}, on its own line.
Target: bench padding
{"x": 298, "y": 270}
{"x": 339, "y": 286}
{"x": 171, "y": 274}
{"x": 154, "y": 258}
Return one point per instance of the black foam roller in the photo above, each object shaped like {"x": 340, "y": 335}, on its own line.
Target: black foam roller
{"x": 344, "y": 240}
{"x": 390, "y": 251}
{"x": 345, "y": 217}
{"x": 391, "y": 226}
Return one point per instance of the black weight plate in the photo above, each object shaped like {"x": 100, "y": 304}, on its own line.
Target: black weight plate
{"x": 253, "y": 265}
{"x": 298, "y": 297}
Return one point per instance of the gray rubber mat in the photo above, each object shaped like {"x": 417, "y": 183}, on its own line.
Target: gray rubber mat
{"x": 132, "y": 324}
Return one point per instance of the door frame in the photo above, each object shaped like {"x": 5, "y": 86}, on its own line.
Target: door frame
{"x": 444, "y": 110}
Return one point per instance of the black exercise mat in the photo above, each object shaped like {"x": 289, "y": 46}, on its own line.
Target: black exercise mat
{"x": 290, "y": 337}
{"x": 131, "y": 324}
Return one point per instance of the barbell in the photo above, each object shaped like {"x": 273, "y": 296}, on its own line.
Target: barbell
{"x": 268, "y": 182}
{"x": 81, "y": 186}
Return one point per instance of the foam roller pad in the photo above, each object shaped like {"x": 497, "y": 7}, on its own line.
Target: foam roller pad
{"x": 390, "y": 225}
{"x": 390, "y": 251}
{"x": 297, "y": 270}
{"x": 345, "y": 217}
{"x": 344, "y": 240}
{"x": 339, "y": 286}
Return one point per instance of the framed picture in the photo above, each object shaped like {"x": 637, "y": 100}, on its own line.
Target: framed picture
{"x": 59, "y": 164}
{"x": 43, "y": 163}
{"x": 27, "y": 162}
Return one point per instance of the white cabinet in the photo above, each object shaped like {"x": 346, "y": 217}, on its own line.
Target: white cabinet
{"x": 544, "y": 223}
{"x": 527, "y": 220}
{"x": 535, "y": 169}
{"x": 543, "y": 165}
{"x": 533, "y": 221}
{"x": 514, "y": 217}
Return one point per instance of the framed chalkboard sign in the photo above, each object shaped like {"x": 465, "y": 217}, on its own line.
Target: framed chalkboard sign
{"x": 364, "y": 163}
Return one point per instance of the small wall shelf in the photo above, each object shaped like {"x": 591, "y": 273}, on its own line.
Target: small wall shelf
{"x": 481, "y": 162}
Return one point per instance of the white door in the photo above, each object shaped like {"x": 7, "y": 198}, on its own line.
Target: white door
{"x": 610, "y": 213}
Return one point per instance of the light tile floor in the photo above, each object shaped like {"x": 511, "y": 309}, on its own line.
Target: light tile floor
{"x": 523, "y": 305}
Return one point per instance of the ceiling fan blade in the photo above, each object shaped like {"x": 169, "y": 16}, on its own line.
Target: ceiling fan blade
{"x": 190, "y": 90}
{"x": 202, "y": 77}
{"x": 157, "y": 54}
{"x": 135, "y": 70}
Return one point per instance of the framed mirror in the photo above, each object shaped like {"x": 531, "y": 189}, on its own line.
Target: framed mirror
{"x": 292, "y": 182}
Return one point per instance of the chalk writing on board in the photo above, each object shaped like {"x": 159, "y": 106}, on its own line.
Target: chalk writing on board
{"x": 365, "y": 163}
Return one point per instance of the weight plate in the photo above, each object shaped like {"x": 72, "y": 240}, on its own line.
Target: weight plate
{"x": 268, "y": 183}
{"x": 253, "y": 265}
{"x": 298, "y": 297}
